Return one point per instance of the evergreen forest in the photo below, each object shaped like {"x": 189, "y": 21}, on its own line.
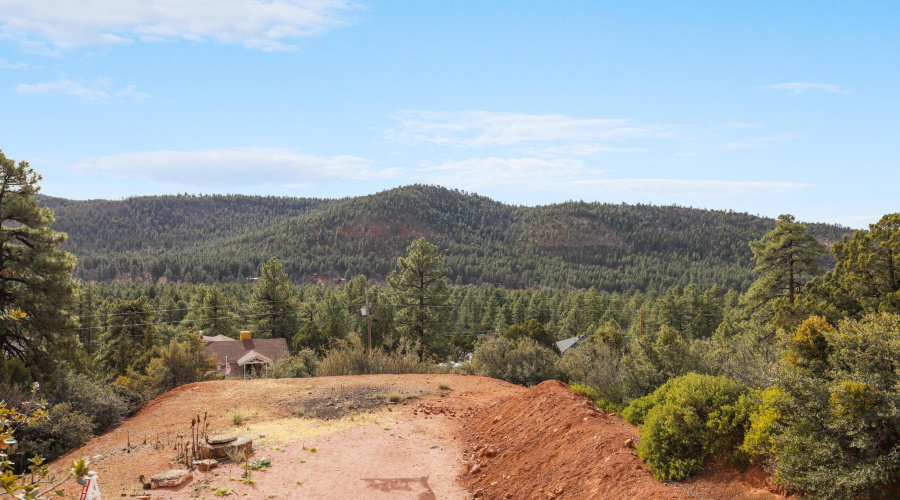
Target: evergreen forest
{"x": 226, "y": 238}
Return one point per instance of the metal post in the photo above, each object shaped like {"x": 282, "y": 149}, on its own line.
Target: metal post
{"x": 369, "y": 320}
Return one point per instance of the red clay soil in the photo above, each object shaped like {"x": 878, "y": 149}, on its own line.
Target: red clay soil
{"x": 460, "y": 437}
{"x": 551, "y": 443}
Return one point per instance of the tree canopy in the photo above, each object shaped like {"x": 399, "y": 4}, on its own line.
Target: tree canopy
{"x": 35, "y": 275}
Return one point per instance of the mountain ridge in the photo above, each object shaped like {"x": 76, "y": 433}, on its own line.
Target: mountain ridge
{"x": 221, "y": 238}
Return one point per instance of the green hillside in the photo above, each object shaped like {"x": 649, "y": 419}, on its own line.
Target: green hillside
{"x": 614, "y": 247}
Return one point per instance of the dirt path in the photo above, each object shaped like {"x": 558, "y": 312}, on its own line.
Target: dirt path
{"x": 365, "y": 446}
{"x": 403, "y": 437}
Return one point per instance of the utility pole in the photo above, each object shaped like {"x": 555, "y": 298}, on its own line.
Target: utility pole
{"x": 369, "y": 320}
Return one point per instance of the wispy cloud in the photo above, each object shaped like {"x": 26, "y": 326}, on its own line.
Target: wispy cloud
{"x": 99, "y": 90}
{"x": 239, "y": 167}
{"x": 479, "y": 129}
{"x": 4, "y": 64}
{"x": 754, "y": 143}
{"x": 476, "y": 173}
{"x": 803, "y": 87}
{"x": 576, "y": 177}
{"x": 695, "y": 187}
{"x": 266, "y": 25}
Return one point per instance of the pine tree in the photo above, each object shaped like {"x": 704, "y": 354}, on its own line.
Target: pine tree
{"x": 868, "y": 267}
{"x": 35, "y": 275}
{"x": 420, "y": 293}
{"x": 786, "y": 257}
{"x": 130, "y": 334}
{"x": 275, "y": 302}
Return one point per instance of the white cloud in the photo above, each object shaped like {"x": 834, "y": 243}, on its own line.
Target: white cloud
{"x": 574, "y": 176}
{"x": 695, "y": 187}
{"x": 234, "y": 167}
{"x": 481, "y": 129}
{"x": 753, "y": 143}
{"x": 96, "y": 91}
{"x": 803, "y": 87}
{"x": 4, "y": 64}
{"x": 476, "y": 173}
{"x": 263, "y": 24}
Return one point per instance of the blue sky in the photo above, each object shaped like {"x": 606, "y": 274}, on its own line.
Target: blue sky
{"x": 764, "y": 107}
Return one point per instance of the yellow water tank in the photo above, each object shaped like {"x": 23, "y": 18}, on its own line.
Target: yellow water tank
{"x": 246, "y": 336}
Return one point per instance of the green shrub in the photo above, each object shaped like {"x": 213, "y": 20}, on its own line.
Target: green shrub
{"x": 759, "y": 441}
{"x": 596, "y": 363}
{"x": 688, "y": 419}
{"x": 349, "y": 357}
{"x": 91, "y": 397}
{"x": 837, "y": 419}
{"x": 301, "y": 365}
{"x": 587, "y": 391}
{"x": 14, "y": 373}
{"x": 522, "y": 362}
{"x": 64, "y": 429}
{"x": 237, "y": 418}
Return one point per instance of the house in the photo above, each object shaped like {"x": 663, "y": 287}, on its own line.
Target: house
{"x": 571, "y": 342}
{"x": 247, "y": 356}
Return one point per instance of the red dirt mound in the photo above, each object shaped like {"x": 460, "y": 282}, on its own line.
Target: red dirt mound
{"x": 553, "y": 443}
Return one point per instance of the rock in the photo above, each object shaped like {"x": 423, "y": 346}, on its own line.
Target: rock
{"x": 205, "y": 465}
{"x": 216, "y": 451}
{"x": 170, "y": 478}
{"x": 220, "y": 438}
{"x": 475, "y": 468}
{"x": 629, "y": 443}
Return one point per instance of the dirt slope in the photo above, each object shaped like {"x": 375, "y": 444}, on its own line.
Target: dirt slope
{"x": 553, "y": 443}
{"x": 340, "y": 438}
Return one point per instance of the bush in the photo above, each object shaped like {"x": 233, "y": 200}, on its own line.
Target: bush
{"x": 64, "y": 429}
{"x": 688, "y": 419}
{"x": 14, "y": 373}
{"x": 91, "y": 397}
{"x": 839, "y": 428}
{"x": 596, "y": 363}
{"x": 349, "y": 357}
{"x": 651, "y": 361}
{"x": 534, "y": 330}
{"x": 184, "y": 362}
{"x": 301, "y": 365}
{"x": 522, "y": 362}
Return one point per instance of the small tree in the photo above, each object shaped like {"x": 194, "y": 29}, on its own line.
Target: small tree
{"x": 421, "y": 297}
{"x": 868, "y": 267}
{"x": 534, "y": 330}
{"x": 786, "y": 257}
{"x": 275, "y": 302}
{"x": 130, "y": 335}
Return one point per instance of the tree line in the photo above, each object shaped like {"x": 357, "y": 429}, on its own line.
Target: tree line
{"x": 226, "y": 238}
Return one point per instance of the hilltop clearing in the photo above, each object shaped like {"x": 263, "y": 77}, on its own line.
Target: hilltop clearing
{"x": 392, "y": 436}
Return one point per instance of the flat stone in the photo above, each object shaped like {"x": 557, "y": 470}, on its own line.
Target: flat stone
{"x": 205, "y": 465}
{"x": 216, "y": 451}
{"x": 220, "y": 438}
{"x": 169, "y": 478}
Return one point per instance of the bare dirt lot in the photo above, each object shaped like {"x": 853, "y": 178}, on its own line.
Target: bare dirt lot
{"x": 415, "y": 437}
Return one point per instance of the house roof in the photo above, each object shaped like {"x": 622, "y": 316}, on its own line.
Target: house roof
{"x": 254, "y": 357}
{"x": 570, "y": 342}
{"x": 217, "y": 338}
{"x": 236, "y": 350}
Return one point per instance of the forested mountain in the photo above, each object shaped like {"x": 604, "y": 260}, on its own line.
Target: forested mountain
{"x": 223, "y": 238}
